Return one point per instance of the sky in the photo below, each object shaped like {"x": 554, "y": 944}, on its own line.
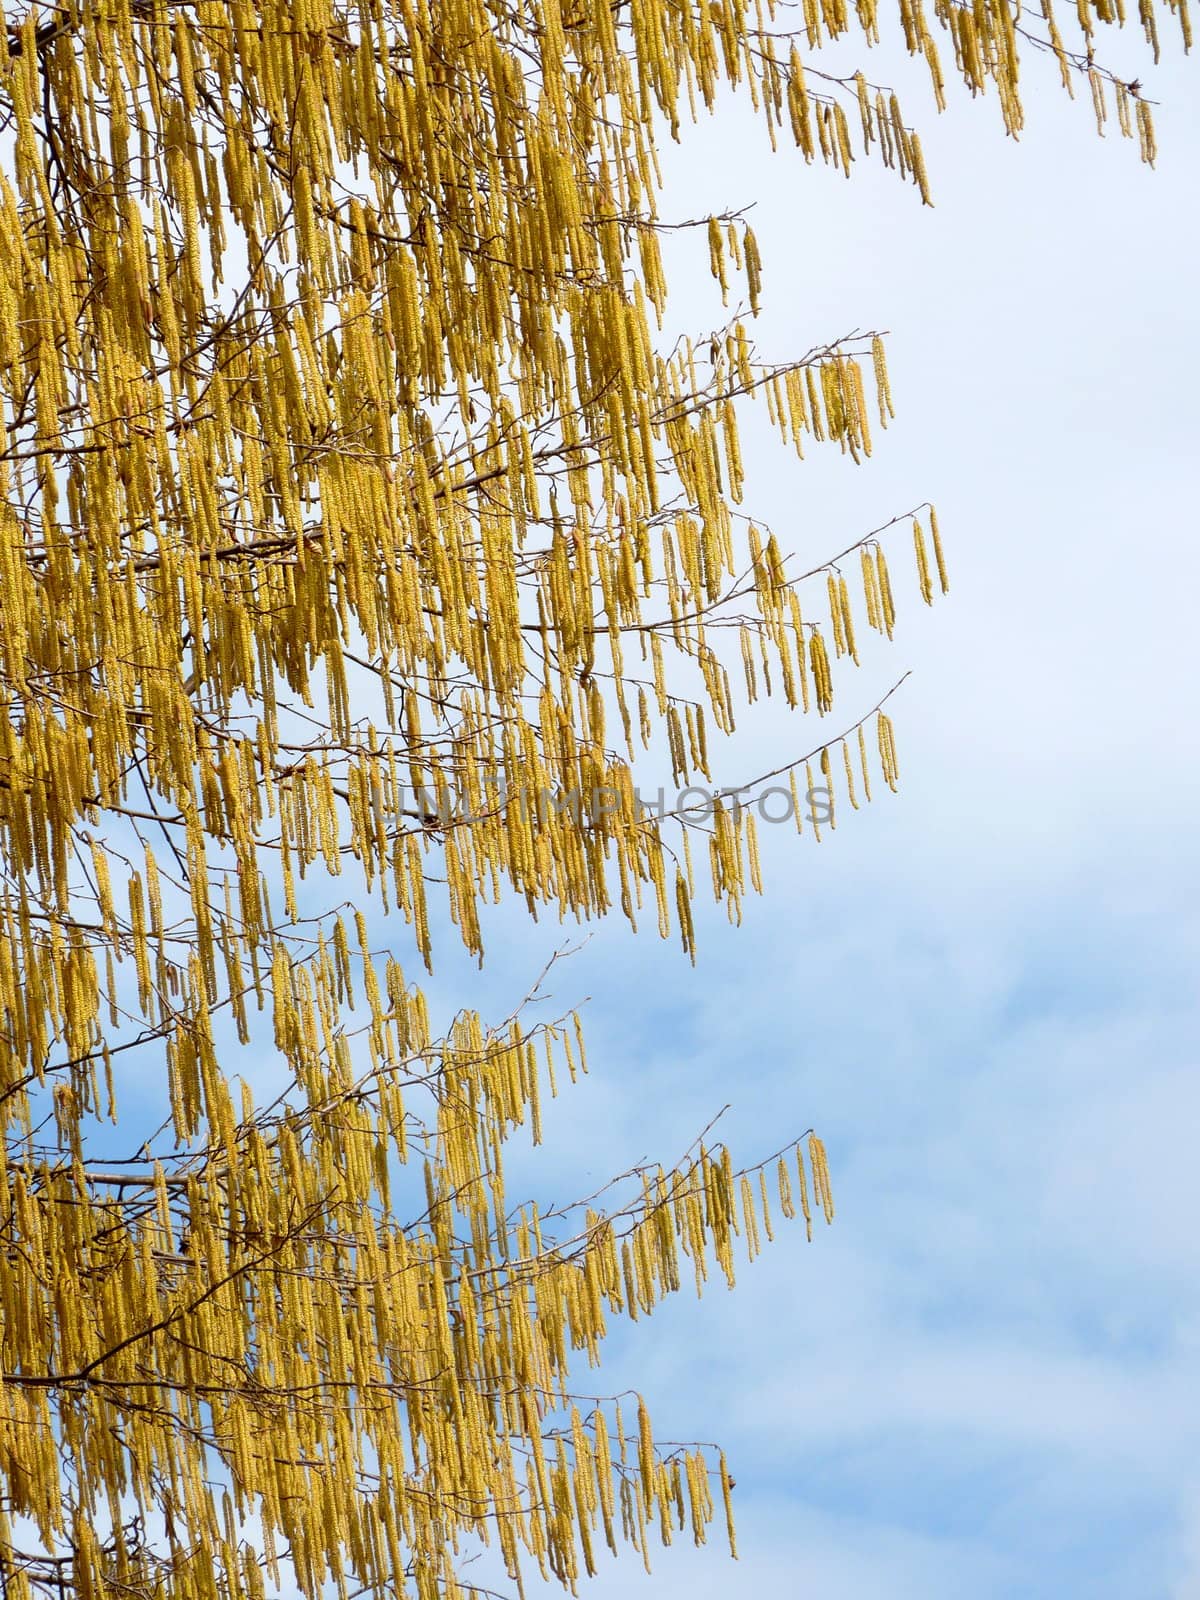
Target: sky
{"x": 981, "y": 1380}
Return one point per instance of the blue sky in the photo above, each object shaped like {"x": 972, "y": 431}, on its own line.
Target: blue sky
{"x": 981, "y": 1380}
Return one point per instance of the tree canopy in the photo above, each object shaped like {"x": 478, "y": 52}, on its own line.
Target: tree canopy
{"x": 359, "y": 520}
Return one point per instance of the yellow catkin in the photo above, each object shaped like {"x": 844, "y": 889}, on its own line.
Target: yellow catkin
{"x": 727, "y": 1498}
{"x": 811, "y": 800}
{"x": 922, "y": 563}
{"x": 849, "y": 775}
{"x": 887, "y": 749}
{"x": 870, "y": 581}
{"x": 836, "y": 616}
{"x": 803, "y": 1182}
{"x": 886, "y": 604}
{"x": 937, "y": 551}
{"x": 863, "y": 767}
{"x": 883, "y": 391}
{"x": 847, "y": 617}
{"x": 822, "y": 1191}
